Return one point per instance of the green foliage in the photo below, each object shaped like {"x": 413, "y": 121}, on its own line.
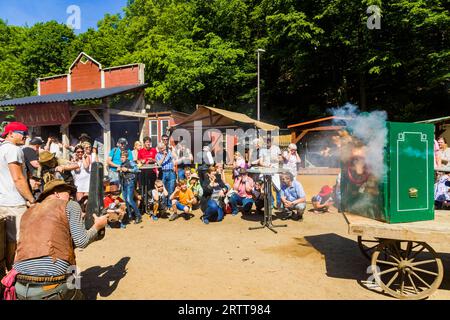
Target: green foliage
{"x": 319, "y": 54}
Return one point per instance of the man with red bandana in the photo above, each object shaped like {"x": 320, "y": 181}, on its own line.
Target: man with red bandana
{"x": 15, "y": 193}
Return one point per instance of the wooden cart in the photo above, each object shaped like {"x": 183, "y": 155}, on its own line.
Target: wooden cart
{"x": 403, "y": 264}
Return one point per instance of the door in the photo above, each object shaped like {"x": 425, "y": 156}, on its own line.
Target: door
{"x": 411, "y": 172}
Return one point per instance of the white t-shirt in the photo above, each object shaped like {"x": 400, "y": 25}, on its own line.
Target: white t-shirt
{"x": 82, "y": 177}
{"x": 55, "y": 149}
{"x": 9, "y": 196}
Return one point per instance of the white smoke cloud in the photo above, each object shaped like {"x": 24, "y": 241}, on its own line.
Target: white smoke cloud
{"x": 371, "y": 129}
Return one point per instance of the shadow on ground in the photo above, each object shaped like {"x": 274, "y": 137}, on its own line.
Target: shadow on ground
{"x": 103, "y": 281}
{"x": 342, "y": 256}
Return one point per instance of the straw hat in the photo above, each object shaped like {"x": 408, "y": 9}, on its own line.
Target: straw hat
{"x": 45, "y": 157}
{"x": 50, "y": 186}
{"x": 194, "y": 176}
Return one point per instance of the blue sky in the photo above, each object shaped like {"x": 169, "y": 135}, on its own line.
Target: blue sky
{"x": 21, "y": 12}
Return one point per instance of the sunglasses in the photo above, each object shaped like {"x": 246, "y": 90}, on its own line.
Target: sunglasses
{"x": 24, "y": 133}
{"x": 80, "y": 152}
{"x": 159, "y": 187}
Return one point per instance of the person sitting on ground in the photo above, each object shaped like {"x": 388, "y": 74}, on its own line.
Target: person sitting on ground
{"x": 323, "y": 200}
{"x": 116, "y": 207}
{"x": 214, "y": 192}
{"x": 49, "y": 233}
{"x": 127, "y": 171}
{"x": 239, "y": 162}
{"x": 293, "y": 197}
{"x": 182, "y": 200}
{"x": 243, "y": 187}
{"x": 258, "y": 196}
{"x": 194, "y": 184}
{"x": 441, "y": 191}
{"x": 158, "y": 199}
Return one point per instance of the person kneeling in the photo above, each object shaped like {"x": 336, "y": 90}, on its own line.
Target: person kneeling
{"x": 158, "y": 199}
{"x": 45, "y": 255}
{"x": 182, "y": 199}
{"x": 115, "y": 206}
{"x": 293, "y": 197}
{"x": 212, "y": 203}
{"x": 323, "y": 200}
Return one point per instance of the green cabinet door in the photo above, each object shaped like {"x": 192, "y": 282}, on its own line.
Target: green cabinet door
{"x": 411, "y": 172}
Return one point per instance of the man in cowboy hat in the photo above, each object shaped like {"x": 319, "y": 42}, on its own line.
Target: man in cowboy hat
{"x": 55, "y": 168}
{"x": 14, "y": 189}
{"x": 51, "y": 230}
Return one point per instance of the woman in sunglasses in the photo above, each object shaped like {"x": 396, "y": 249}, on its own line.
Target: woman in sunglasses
{"x": 82, "y": 175}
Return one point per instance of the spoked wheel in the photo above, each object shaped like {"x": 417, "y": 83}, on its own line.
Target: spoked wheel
{"x": 407, "y": 270}
{"x": 367, "y": 246}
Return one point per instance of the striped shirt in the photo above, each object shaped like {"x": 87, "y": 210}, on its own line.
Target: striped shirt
{"x": 81, "y": 237}
{"x": 168, "y": 162}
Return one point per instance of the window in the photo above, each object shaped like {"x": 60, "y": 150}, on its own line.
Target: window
{"x": 164, "y": 126}
{"x": 154, "y": 132}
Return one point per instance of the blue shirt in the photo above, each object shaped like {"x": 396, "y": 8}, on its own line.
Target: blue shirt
{"x": 114, "y": 154}
{"x": 293, "y": 192}
{"x": 168, "y": 163}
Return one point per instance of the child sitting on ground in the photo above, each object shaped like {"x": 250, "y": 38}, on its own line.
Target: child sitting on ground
{"x": 114, "y": 205}
{"x": 194, "y": 184}
{"x": 323, "y": 200}
{"x": 182, "y": 199}
{"x": 158, "y": 199}
{"x": 258, "y": 196}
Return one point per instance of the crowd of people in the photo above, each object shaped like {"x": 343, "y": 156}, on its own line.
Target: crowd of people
{"x": 166, "y": 181}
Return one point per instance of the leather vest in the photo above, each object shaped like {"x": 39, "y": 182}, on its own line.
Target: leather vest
{"x": 45, "y": 232}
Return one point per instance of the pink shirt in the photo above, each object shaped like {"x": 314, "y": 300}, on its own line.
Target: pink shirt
{"x": 241, "y": 187}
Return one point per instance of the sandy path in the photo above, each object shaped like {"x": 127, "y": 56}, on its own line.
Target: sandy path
{"x": 313, "y": 259}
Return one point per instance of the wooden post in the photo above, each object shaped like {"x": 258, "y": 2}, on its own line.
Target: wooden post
{"x": 141, "y": 128}
{"x": 65, "y": 140}
{"x": 106, "y": 134}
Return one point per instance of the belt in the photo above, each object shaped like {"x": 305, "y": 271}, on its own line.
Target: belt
{"x": 35, "y": 279}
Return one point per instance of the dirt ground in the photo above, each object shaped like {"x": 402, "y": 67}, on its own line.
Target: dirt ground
{"x": 312, "y": 259}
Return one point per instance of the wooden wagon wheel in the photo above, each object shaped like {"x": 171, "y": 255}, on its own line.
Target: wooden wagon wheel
{"x": 368, "y": 246}
{"x": 409, "y": 270}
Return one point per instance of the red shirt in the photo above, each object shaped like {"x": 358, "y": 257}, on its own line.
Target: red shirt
{"x": 145, "y": 154}
{"x": 108, "y": 200}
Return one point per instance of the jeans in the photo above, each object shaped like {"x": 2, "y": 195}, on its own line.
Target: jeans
{"x": 34, "y": 291}
{"x": 168, "y": 179}
{"x": 128, "y": 194}
{"x": 213, "y": 210}
{"x": 180, "y": 206}
{"x": 236, "y": 200}
{"x": 181, "y": 175}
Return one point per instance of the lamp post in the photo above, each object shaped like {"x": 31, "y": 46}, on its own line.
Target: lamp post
{"x": 259, "y": 51}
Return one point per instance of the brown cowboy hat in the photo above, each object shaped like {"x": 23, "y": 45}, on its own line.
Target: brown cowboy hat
{"x": 45, "y": 157}
{"x": 51, "y": 185}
